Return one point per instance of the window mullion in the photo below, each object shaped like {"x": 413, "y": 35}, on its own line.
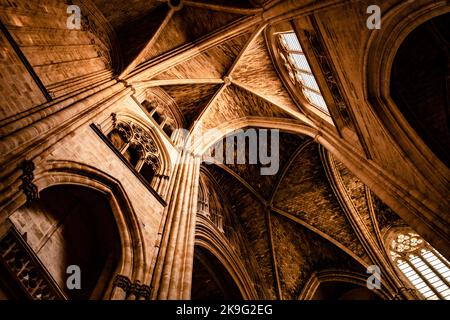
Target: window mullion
{"x": 140, "y": 164}
{"x": 432, "y": 288}
{"x": 295, "y": 51}
{"x": 313, "y": 90}
{"x": 303, "y": 71}
{"x": 124, "y": 148}
{"x": 434, "y": 271}
{"x": 295, "y": 67}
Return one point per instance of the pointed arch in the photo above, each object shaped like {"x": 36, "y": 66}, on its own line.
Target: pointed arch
{"x": 208, "y": 237}
{"x": 380, "y": 51}
{"x": 379, "y": 57}
{"x": 418, "y": 263}
{"x": 334, "y": 276}
{"x": 384, "y": 184}
{"x": 166, "y": 160}
{"x": 132, "y": 262}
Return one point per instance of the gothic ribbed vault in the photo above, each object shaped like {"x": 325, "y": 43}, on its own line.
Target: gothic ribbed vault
{"x": 345, "y": 179}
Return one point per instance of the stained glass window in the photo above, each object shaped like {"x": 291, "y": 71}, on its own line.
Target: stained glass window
{"x": 426, "y": 269}
{"x": 299, "y": 70}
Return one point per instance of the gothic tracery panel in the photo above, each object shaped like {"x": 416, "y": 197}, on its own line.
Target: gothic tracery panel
{"x": 426, "y": 269}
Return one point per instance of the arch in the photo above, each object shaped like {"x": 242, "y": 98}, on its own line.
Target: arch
{"x": 132, "y": 262}
{"x": 210, "y": 280}
{"x": 379, "y": 56}
{"x": 208, "y": 237}
{"x": 389, "y": 188}
{"x": 418, "y": 263}
{"x": 419, "y": 86}
{"x": 353, "y": 280}
{"x": 64, "y": 231}
{"x": 200, "y": 142}
{"x": 208, "y": 204}
{"x": 162, "y": 157}
{"x": 203, "y": 199}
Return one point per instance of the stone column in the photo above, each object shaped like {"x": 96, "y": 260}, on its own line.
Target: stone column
{"x": 172, "y": 275}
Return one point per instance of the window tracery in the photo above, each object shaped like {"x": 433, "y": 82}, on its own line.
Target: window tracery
{"x": 426, "y": 269}
{"x": 137, "y": 146}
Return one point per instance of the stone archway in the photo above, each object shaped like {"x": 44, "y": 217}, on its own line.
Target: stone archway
{"x": 210, "y": 279}
{"x": 72, "y": 226}
{"x": 339, "y": 285}
{"x": 130, "y": 262}
{"x": 418, "y": 84}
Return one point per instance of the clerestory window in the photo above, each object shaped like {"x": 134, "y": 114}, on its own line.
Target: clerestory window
{"x": 299, "y": 71}
{"x": 426, "y": 269}
{"x": 163, "y": 121}
{"x": 138, "y": 148}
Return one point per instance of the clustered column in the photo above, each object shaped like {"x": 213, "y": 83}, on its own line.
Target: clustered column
{"x": 173, "y": 271}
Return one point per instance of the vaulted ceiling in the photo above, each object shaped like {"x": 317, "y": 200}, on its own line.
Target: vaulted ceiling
{"x": 232, "y": 78}
{"x": 252, "y": 194}
{"x": 294, "y": 220}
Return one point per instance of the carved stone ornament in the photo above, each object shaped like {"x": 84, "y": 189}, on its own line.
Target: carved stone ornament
{"x": 138, "y": 137}
{"x": 27, "y": 186}
{"x": 25, "y": 268}
{"x": 135, "y": 288}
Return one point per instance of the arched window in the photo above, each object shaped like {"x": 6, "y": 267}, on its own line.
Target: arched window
{"x": 168, "y": 129}
{"x": 299, "y": 71}
{"x": 162, "y": 119}
{"x": 209, "y": 205}
{"x": 138, "y": 147}
{"x": 421, "y": 264}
